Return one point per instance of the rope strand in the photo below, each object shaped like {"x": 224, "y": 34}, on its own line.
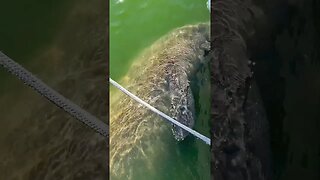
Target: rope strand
{"x": 53, "y": 96}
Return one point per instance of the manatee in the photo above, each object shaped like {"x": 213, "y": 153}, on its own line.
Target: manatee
{"x": 161, "y": 76}
{"x": 240, "y": 130}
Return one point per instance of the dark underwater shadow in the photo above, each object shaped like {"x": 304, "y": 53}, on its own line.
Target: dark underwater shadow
{"x": 285, "y": 49}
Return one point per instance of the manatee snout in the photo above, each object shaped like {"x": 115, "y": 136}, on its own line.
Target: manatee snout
{"x": 185, "y": 115}
{"x": 178, "y": 133}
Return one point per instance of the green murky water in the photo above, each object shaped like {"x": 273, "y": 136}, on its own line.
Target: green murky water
{"x": 134, "y": 26}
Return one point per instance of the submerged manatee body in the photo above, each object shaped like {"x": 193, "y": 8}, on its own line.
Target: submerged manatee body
{"x": 240, "y": 144}
{"x": 160, "y": 76}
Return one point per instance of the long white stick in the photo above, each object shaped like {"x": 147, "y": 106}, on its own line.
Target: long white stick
{"x": 195, "y": 133}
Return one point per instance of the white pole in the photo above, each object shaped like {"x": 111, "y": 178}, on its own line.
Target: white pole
{"x": 195, "y": 133}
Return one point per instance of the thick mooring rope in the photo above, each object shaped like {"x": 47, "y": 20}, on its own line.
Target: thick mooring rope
{"x": 193, "y": 132}
{"x": 36, "y": 84}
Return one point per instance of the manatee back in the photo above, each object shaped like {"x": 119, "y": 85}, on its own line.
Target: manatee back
{"x": 138, "y": 136}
